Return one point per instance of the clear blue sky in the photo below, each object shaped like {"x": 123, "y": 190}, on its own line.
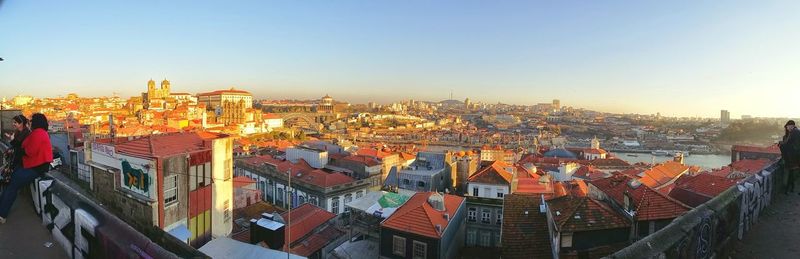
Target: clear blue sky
{"x": 681, "y": 58}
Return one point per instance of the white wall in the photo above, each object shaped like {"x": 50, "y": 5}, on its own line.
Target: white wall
{"x": 222, "y": 189}
{"x": 316, "y": 159}
{"x": 493, "y": 189}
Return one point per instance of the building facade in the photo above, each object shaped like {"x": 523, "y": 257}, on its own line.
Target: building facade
{"x": 181, "y": 183}
{"x": 328, "y": 190}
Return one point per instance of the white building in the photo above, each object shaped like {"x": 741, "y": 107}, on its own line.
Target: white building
{"x": 316, "y": 158}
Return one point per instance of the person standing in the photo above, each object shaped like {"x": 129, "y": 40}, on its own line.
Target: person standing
{"x": 790, "y": 153}
{"x": 37, "y": 154}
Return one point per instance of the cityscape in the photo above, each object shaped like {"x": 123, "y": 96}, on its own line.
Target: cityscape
{"x": 243, "y": 156}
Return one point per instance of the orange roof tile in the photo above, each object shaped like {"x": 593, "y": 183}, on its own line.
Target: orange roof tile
{"x": 493, "y": 172}
{"x": 649, "y": 203}
{"x": 419, "y": 217}
{"x": 305, "y": 219}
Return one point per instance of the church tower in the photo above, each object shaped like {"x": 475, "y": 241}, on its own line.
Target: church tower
{"x": 595, "y": 143}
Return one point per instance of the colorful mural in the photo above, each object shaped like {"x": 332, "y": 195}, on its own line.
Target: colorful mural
{"x": 136, "y": 178}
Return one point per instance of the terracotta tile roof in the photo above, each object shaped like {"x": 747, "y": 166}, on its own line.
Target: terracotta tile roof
{"x": 373, "y": 153}
{"x": 609, "y": 162}
{"x": 305, "y": 219}
{"x": 750, "y": 166}
{"x": 301, "y": 171}
{"x": 161, "y": 145}
{"x": 365, "y": 160}
{"x": 649, "y": 203}
{"x": 242, "y": 181}
{"x": 417, "y": 216}
{"x": 317, "y": 241}
{"x": 662, "y": 174}
{"x": 525, "y": 232}
{"x": 588, "y": 173}
{"x": 407, "y": 156}
{"x": 575, "y": 214}
{"x": 742, "y": 168}
{"x": 695, "y": 190}
{"x": 595, "y": 151}
{"x": 492, "y": 173}
{"x": 773, "y": 149}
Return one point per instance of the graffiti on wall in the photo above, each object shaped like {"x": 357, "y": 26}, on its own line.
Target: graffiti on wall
{"x": 134, "y": 178}
{"x": 756, "y": 195}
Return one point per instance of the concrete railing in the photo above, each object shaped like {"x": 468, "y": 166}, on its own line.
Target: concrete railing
{"x": 709, "y": 230}
{"x": 84, "y": 229}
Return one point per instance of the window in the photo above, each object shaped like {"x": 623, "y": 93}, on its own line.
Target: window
{"x": 500, "y": 194}
{"x": 566, "y": 240}
{"x": 472, "y": 215}
{"x": 170, "y": 190}
{"x": 228, "y": 168}
{"x": 359, "y": 194}
{"x": 347, "y": 199}
{"x": 399, "y": 246}
{"x": 497, "y": 240}
{"x": 486, "y": 216}
{"x": 420, "y": 184}
{"x": 314, "y": 200}
{"x": 475, "y": 191}
{"x": 335, "y": 205}
{"x": 471, "y": 238}
{"x": 406, "y": 182}
{"x": 486, "y": 239}
{"x": 420, "y": 250}
{"x": 302, "y": 199}
{"x": 499, "y": 220}
{"x": 227, "y": 212}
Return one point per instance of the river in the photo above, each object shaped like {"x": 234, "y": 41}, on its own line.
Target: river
{"x": 705, "y": 161}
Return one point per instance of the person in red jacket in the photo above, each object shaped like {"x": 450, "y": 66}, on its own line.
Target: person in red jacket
{"x": 37, "y": 155}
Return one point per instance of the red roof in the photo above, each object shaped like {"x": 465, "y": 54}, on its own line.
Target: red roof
{"x": 242, "y": 181}
{"x": 662, "y": 174}
{"x": 162, "y": 145}
{"x": 588, "y": 173}
{"x": 493, "y": 172}
{"x": 317, "y": 241}
{"x": 707, "y": 186}
{"x": 373, "y": 153}
{"x": 743, "y": 168}
{"x": 575, "y": 214}
{"x": 774, "y": 149}
{"x": 609, "y": 162}
{"x": 417, "y": 216}
{"x": 301, "y": 171}
{"x": 647, "y": 202}
{"x": 304, "y": 220}
{"x": 365, "y": 160}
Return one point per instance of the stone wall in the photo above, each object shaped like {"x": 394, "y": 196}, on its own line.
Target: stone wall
{"x": 85, "y": 229}
{"x": 709, "y": 230}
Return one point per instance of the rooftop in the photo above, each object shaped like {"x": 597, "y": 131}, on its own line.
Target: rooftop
{"x": 648, "y": 203}
{"x": 419, "y": 217}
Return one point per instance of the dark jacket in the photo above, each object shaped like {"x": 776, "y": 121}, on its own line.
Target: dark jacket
{"x": 16, "y": 146}
{"x": 790, "y": 149}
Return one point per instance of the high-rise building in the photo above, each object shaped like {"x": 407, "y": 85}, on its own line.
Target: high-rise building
{"x": 725, "y": 117}
{"x": 556, "y": 104}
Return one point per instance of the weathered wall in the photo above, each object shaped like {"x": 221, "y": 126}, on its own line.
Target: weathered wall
{"x": 708, "y": 230}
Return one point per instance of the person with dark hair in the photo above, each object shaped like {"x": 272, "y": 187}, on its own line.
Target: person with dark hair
{"x": 790, "y": 153}
{"x": 37, "y": 155}
{"x": 14, "y": 154}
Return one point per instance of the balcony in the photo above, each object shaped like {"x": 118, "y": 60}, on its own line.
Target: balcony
{"x": 753, "y": 219}
{"x": 56, "y": 219}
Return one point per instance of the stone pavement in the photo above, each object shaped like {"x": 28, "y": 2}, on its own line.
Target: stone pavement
{"x": 24, "y": 236}
{"x": 776, "y": 234}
